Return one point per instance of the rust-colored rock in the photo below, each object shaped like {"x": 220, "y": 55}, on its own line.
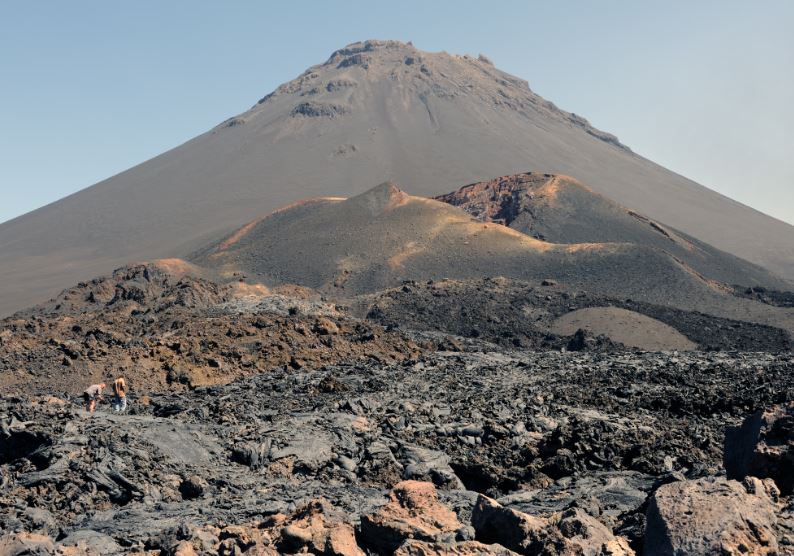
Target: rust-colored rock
{"x": 506, "y": 198}
{"x": 98, "y": 331}
{"x": 765, "y": 488}
{"x": 584, "y": 534}
{"x": 325, "y": 327}
{"x": 413, "y": 512}
{"x": 184, "y": 548}
{"x": 709, "y": 517}
{"x": 318, "y": 528}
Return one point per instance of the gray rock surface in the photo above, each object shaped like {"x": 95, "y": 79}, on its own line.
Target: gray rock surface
{"x": 583, "y": 435}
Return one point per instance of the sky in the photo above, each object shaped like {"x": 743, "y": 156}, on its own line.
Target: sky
{"x": 91, "y": 88}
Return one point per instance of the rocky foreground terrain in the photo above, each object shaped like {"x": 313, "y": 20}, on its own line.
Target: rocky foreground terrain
{"x": 439, "y": 417}
{"x": 167, "y": 328}
{"x": 530, "y": 452}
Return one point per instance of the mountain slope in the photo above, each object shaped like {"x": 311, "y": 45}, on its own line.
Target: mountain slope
{"x": 560, "y": 209}
{"x": 374, "y": 111}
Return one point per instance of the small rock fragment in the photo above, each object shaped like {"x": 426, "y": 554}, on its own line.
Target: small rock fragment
{"x": 193, "y": 487}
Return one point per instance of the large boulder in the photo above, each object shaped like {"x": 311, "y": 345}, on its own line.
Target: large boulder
{"x": 711, "y": 516}
{"x": 572, "y": 532}
{"x": 413, "y": 512}
{"x": 763, "y": 446}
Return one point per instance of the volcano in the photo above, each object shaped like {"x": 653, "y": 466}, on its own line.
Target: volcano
{"x": 380, "y": 238}
{"x": 374, "y": 111}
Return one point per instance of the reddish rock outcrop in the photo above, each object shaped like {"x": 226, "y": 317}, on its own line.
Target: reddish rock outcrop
{"x": 505, "y": 198}
{"x": 318, "y": 528}
{"x": 413, "y": 512}
{"x": 710, "y": 517}
{"x": 184, "y": 548}
{"x": 152, "y": 325}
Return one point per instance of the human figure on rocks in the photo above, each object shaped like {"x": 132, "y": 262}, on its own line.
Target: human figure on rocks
{"x": 91, "y": 395}
{"x": 119, "y": 395}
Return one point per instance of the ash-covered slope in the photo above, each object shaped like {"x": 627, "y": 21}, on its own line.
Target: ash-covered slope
{"x": 378, "y": 239}
{"x": 374, "y": 111}
{"x": 560, "y": 209}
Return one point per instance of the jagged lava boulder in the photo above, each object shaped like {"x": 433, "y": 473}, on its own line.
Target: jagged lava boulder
{"x": 763, "y": 446}
{"x": 572, "y": 532}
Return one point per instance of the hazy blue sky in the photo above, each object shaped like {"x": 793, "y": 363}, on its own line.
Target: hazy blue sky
{"x": 88, "y": 89}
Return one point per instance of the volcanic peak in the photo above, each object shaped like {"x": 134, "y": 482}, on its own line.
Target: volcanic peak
{"x": 423, "y": 74}
{"x": 371, "y": 45}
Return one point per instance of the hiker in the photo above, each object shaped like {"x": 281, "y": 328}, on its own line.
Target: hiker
{"x": 119, "y": 395}
{"x": 91, "y": 395}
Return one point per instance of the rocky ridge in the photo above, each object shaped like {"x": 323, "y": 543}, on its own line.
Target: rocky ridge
{"x": 169, "y": 331}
